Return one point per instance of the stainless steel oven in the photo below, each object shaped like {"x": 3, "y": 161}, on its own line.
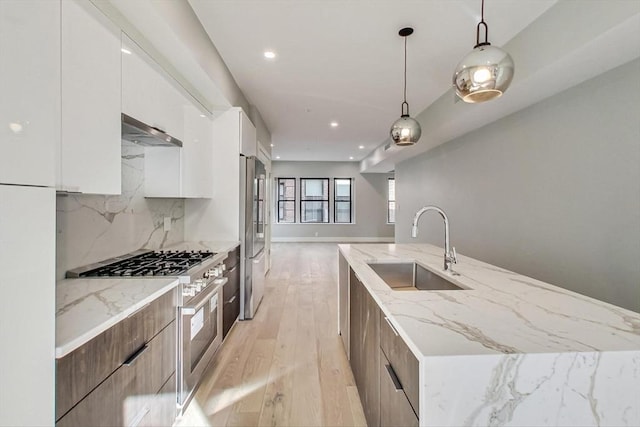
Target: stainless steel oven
{"x": 200, "y": 335}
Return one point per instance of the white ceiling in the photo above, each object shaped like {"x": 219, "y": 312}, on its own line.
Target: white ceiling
{"x": 342, "y": 60}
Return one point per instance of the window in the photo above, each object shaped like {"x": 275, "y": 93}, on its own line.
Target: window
{"x": 342, "y": 200}
{"x": 391, "y": 202}
{"x": 314, "y": 200}
{"x": 286, "y": 200}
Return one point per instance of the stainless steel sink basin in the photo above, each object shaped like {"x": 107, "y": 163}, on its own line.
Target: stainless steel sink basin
{"x": 409, "y": 276}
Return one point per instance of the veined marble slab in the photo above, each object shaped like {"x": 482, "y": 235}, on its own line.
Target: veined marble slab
{"x": 509, "y": 349}
{"x": 87, "y": 307}
{"x": 217, "y": 246}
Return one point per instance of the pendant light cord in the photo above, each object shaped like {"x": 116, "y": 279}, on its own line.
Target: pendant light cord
{"x": 405, "y": 78}
{"x": 486, "y": 30}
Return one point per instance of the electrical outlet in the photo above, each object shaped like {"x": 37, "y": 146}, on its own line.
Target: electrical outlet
{"x": 167, "y": 223}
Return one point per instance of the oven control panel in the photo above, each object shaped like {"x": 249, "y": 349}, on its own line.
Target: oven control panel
{"x": 208, "y": 277}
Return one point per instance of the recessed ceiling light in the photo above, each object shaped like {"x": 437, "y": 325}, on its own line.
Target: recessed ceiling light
{"x": 334, "y": 124}
{"x": 127, "y": 51}
{"x": 361, "y": 147}
{"x": 350, "y": 157}
{"x": 271, "y": 145}
{"x": 269, "y": 54}
{"x": 277, "y": 157}
{"x": 202, "y": 115}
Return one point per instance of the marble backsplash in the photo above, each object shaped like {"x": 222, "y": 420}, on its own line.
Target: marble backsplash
{"x": 91, "y": 228}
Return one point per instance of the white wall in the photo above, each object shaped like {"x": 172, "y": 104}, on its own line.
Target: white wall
{"x": 370, "y": 197}
{"x": 552, "y": 191}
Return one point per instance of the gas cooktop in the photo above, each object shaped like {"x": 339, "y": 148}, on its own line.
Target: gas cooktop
{"x": 144, "y": 263}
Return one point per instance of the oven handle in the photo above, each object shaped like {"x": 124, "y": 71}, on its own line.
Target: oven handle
{"x": 190, "y": 311}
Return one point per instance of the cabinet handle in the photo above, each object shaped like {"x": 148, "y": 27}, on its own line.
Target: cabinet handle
{"x": 233, "y": 298}
{"x": 132, "y": 359}
{"x": 396, "y": 382}
{"x": 391, "y": 326}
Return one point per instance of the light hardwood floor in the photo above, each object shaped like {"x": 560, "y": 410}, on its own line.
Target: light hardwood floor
{"x": 287, "y": 366}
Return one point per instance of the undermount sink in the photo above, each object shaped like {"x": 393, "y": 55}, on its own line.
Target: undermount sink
{"x": 409, "y": 276}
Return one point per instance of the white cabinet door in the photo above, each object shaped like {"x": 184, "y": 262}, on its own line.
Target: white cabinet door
{"x": 91, "y": 89}
{"x": 30, "y": 91}
{"x": 27, "y": 320}
{"x": 197, "y": 168}
{"x": 248, "y": 138}
{"x": 183, "y": 172}
{"x": 148, "y": 93}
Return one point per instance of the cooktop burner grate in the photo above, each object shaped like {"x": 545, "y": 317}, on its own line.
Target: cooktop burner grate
{"x": 156, "y": 263}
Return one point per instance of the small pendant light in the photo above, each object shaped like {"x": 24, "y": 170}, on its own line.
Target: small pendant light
{"x": 405, "y": 130}
{"x": 485, "y": 73}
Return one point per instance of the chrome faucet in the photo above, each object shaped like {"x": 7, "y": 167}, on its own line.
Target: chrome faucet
{"x": 450, "y": 256}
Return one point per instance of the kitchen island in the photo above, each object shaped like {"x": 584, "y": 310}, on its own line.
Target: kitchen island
{"x": 506, "y": 349}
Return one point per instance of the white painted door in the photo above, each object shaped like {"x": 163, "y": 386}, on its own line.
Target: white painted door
{"x": 29, "y": 91}
{"x": 27, "y": 306}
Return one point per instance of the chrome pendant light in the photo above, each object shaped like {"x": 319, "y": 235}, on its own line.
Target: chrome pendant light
{"x": 405, "y": 130}
{"x": 485, "y": 73}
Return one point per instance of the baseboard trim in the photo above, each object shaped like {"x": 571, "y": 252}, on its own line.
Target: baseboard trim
{"x": 333, "y": 239}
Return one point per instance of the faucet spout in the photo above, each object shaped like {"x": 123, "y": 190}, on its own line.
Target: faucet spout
{"x": 450, "y": 256}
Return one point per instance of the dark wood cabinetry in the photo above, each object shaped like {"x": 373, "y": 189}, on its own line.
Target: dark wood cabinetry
{"x": 385, "y": 370}
{"x": 115, "y": 378}
{"x": 399, "y": 379}
{"x": 231, "y": 291}
{"x": 364, "y": 345}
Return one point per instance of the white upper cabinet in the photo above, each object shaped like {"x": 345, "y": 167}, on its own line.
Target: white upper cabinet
{"x": 197, "y": 154}
{"x": 90, "y": 154}
{"x": 30, "y": 91}
{"x": 183, "y": 172}
{"x": 248, "y": 141}
{"x": 153, "y": 97}
{"x": 148, "y": 94}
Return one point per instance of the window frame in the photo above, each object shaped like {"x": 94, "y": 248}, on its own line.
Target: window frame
{"x": 279, "y": 200}
{"x": 389, "y": 200}
{"x": 335, "y": 201}
{"x": 327, "y": 201}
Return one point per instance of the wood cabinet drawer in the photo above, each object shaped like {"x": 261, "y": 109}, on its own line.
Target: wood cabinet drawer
{"x": 163, "y": 410}
{"x": 230, "y": 312}
{"x": 395, "y": 409}
{"x": 402, "y": 360}
{"x": 232, "y": 259}
{"x": 129, "y": 394}
{"x": 233, "y": 284}
{"x": 82, "y": 370}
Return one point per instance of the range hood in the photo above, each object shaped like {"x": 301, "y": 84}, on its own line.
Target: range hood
{"x": 141, "y": 133}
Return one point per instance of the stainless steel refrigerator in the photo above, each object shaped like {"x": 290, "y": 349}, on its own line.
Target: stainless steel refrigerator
{"x": 252, "y": 230}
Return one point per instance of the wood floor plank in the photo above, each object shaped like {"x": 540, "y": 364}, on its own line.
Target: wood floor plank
{"x": 287, "y": 366}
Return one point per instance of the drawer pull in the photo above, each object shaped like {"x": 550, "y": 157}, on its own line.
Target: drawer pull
{"x": 233, "y": 298}
{"x": 132, "y": 359}
{"x": 396, "y": 382}
{"x": 391, "y": 326}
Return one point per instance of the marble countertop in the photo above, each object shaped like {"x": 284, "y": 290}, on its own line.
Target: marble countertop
{"x": 500, "y": 312}
{"x": 87, "y": 307}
